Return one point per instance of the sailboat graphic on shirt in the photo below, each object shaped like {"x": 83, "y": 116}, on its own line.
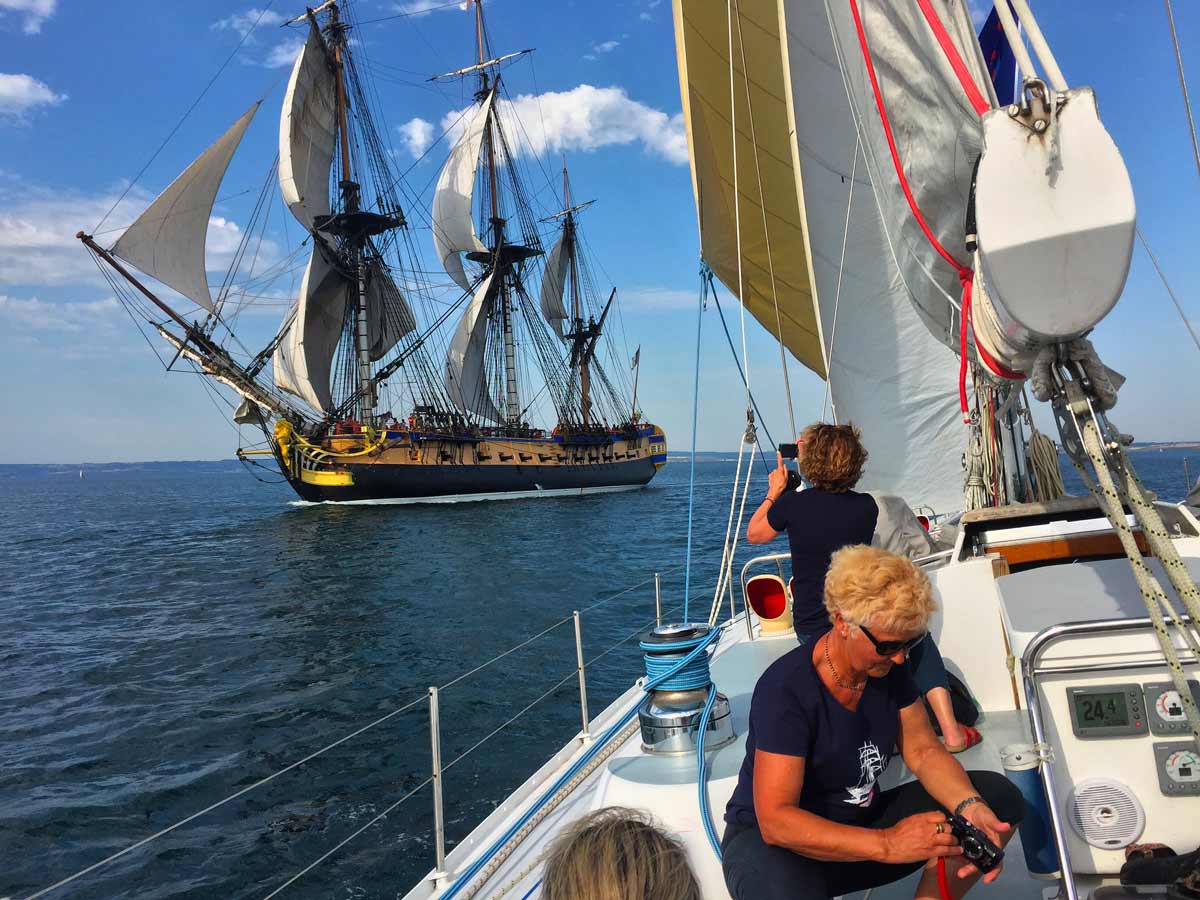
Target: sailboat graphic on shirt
{"x": 871, "y": 763}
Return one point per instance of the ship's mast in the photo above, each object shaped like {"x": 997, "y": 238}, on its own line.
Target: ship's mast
{"x": 357, "y": 239}
{"x": 569, "y": 244}
{"x": 512, "y": 411}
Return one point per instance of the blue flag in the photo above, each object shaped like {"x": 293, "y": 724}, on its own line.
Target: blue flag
{"x": 998, "y": 55}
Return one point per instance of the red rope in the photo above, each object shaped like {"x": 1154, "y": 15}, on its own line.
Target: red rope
{"x": 966, "y": 276}
{"x": 964, "y": 77}
{"x": 943, "y": 882}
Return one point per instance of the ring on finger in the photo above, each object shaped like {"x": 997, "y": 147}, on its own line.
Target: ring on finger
{"x": 940, "y": 828}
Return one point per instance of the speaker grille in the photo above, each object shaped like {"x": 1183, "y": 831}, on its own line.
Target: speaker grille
{"x": 1105, "y": 813}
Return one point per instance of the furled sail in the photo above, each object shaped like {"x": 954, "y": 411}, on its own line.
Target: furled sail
{"x": 554, "y": 279}
{"x": 388, "y": 314}
{"x": 878, "y": 309}
{"x": 167, "y": 241}
{"x": 308, "y": 133}
{"x": 466, "y": 376}
{"x": 304, "y": 358}
{"x": 453, "y": 222}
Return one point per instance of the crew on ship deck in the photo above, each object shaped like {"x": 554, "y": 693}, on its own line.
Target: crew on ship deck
{"x": 807, "y": 818}
{"x": 828, "y": 515}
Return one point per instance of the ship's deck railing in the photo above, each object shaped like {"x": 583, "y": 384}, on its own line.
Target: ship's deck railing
{"x": 431, "y": 700}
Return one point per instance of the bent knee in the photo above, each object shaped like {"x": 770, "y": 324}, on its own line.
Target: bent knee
{"x": 1000, "y": 794}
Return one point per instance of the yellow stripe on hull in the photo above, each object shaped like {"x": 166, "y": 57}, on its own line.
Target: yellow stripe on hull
{"x": 327, "y": 479}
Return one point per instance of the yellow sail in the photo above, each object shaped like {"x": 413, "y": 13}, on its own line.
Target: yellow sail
{"x": 702, "y": 47}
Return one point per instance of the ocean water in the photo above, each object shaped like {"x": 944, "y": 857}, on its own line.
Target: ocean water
{"x": 172, "y": 633}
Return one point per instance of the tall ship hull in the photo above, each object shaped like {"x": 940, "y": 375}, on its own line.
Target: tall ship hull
{"x": 411, "y": 466}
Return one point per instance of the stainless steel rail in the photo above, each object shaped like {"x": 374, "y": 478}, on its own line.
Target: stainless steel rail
{"x": 1030, "y": 670}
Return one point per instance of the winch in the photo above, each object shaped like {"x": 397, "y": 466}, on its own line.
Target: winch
{"x": 671, "y": 713}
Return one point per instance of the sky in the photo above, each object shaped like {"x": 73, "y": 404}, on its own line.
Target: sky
{"x": 86, "y": 98}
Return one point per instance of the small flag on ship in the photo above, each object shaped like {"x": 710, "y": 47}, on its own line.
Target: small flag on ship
{"x": 637, "y": 356}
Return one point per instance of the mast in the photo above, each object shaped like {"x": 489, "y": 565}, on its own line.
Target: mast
{"x": 585, "y": 402}
{"x": 350, "y": 196}
{"x": 512, "y": 411}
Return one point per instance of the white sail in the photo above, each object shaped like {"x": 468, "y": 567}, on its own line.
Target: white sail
{"x": 887, "y": 371}
{"x": 453, "y": 222}
{"x": 167, "y": 241}
{"x": 466, "y": 378}
{"x": 882, "y": 313}
{"x": 308, "y": 133}
{"x": 388, "y": 314}
{"x": 554, "y": 279}
{"x": 304, "y": 357}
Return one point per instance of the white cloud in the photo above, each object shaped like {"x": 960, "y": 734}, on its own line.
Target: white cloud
{"x": 417, "y": 135}
{"x": 20, "y": 94}
{"x": 37, "y": 235}
{"x": 421, "y": 7}
{"x": 33, "y": 12}
{"x": 39, "y": 315}
{"x": 282, "y": 55}
{"x": 243, "y": 22}
{"x": 585, "y": 118}
{"x": 657, "y": 299}
{"x": 645, "y": 17}
{"x": 606, "y": 46}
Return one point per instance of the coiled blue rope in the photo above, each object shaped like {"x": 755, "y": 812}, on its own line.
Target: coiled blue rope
{"x": 662, "y": 661}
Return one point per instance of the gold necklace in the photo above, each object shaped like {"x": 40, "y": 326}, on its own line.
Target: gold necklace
{"x": 838, "y": 678}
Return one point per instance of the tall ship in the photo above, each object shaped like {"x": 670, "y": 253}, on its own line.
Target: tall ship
{"x": 376, "y": 387}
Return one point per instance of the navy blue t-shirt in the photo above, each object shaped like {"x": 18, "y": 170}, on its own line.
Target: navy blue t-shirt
{"x": 818, "y": 523}
{"x": 844, "y": 751}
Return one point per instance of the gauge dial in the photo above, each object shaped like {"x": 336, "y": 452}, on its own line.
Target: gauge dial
{"x": 1169, "y": 706}
{"x": 1183, "y": 766}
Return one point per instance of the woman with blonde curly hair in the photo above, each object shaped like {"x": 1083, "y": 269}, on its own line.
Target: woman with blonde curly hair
{"x": 617, "y": 854}
{"x": 827, "y": 516}
{"x": 807, "y": 818}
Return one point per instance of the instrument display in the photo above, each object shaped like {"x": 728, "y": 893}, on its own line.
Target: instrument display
{"x": 1166, "y": 707}
{"x": 1178, "y": 768}
{"x": 1113, "y": 710}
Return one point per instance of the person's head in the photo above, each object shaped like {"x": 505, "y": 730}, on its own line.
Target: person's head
{"x": 617, "y": 854}
{"x": 878, "y": 602}
{"x": 832, "y": 456}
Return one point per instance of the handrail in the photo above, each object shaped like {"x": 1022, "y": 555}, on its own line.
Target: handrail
{"x": 577, "y": 671}
{"x": 1030, "y": 669}
{"x": 776, "y": 558}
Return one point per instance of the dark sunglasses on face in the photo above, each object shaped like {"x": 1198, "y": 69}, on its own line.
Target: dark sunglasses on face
{"x": 891, "y": 648}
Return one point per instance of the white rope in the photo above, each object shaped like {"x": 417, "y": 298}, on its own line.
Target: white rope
{"x": 715, "y": 613}
{"x": 837, "y": 297}
{"x": 1015, "y": 41}
{"x": 1043, "y": 463}
{"x": 1037, "y": 40}
{"x": 725, "y": 551}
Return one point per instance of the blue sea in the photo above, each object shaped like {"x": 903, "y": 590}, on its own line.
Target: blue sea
{"x": 175, "y": 632}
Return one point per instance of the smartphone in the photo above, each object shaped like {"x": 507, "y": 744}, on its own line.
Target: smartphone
{"x": 788, "y": 451}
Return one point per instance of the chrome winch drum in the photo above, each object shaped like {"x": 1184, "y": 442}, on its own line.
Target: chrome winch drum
{"x": 670, "y": 715}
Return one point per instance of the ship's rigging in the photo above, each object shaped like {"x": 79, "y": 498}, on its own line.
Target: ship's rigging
{"x": 370, "y": 334}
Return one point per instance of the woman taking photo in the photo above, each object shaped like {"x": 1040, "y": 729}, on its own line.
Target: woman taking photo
{"x": 807, "y": 818}
{"x": 830, "y": 515}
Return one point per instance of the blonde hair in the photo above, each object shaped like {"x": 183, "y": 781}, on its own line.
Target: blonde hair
{"x": 617, "y": 854}
{"x": 872, "y": 587}
{"x": 833, "y": 456}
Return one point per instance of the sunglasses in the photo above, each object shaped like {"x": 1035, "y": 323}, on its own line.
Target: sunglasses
{"x": 891, "y": 648}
